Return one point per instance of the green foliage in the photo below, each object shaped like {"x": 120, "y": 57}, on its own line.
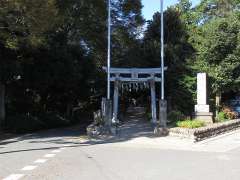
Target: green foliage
{"x": 51, "y": 52}
{"x": 179, "y": 78}
{"x": 52, "y": 119}
{"x": 221, "y": 117}
{"x": 23, "y": 26}
{"x": 26, "y": 22}
{"x": 176, "y": 38}
{"x": 218, "y": 52}
{"x": 211, "y": 9}
{"x": 127, "y": 28}
{"x": 213, "y": 28}
{"x": 43, "y": 68}
{"x": 175, "y": 116}
{"x": 191, "y": 124}
{"x": 23, "y": 123}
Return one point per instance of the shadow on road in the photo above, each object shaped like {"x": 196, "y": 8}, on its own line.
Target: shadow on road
{"x": 134, "y": 126}
{"x": 37, "y": 149}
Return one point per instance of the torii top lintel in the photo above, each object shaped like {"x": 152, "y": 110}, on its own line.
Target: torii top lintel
{"x": 135, "y": 74}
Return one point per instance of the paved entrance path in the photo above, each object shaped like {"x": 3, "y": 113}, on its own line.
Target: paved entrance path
{"x": 135, "y": 124}
{"x": 64, "y": 154}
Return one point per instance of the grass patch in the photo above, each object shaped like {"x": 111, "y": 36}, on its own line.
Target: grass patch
{"x": 191, "y": 124}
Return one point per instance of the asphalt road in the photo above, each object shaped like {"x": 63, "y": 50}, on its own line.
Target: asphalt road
{"x": 63, "y": 154}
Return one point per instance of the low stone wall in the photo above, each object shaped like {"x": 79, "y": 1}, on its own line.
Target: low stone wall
{"x": 202, "y": 133}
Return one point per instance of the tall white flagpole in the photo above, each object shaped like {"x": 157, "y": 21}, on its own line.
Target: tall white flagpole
{"x": 162, "y": 53}
{"x": 109, "y": 50}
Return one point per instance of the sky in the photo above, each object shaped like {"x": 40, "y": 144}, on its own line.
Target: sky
{"x": 152, "y": 6}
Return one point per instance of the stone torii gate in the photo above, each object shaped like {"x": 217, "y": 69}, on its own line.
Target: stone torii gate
{"x": 134, "y": 75}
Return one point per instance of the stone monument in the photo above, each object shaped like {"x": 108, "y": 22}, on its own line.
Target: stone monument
{"x": 202, "y": 111}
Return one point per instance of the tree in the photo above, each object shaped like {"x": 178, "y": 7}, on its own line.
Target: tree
{"x": 53, "y": 52}
{"x": 43, "y": 68}
{"x": 209, "y": 9}
{"x": 218, "y": 48}
{"x": 213, "y": 38}
{"x": 179, "y": 82}
{"x": 22, "y": 24}
{"x": 127, "y": 23}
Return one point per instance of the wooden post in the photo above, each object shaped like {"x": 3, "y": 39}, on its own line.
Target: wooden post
{"x": 115, "y": 101}
{"x": 2, "y": 104}
{"x": 153, "y": 102}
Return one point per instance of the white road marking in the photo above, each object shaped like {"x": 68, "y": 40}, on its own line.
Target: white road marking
{"x": 14, "y": 177}
{"x": 62, "y": 148}
{"x": 49, "y": 155}
{"x": 40, "y": 161}
{"x": 29, "y": 168}
{"x": 67, "y": 145}
{"x": 56, "y": 151}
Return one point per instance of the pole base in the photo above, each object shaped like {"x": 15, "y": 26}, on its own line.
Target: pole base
{"x": 161, "y": 132}
{"x": 107, "y": 112}
{"x": 163, "y": 113}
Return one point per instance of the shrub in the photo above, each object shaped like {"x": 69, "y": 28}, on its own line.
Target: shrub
{"x": 221, "y": 117}
{"x": 22, "y": 123}
{"x": 175, "y": 116}
{"x": 53, "y": 120}
{"x": 229, "y": 113}
{"x": 191, "y": 124}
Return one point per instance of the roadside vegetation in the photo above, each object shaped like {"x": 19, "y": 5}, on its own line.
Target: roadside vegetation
{"x": 191, "y": 124}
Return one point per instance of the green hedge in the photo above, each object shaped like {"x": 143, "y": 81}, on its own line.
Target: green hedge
{"x": 191, "y": 124}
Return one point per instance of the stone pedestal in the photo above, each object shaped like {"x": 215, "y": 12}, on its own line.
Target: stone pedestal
{"x": 163, "y": 113}
{"x": 202, "y": 110}
{"x": 204, "y": 116}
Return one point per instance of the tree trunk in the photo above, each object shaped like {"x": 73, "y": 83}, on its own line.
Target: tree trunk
{"x": 2, "y": 104}
{"x": 218, "y": 102}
